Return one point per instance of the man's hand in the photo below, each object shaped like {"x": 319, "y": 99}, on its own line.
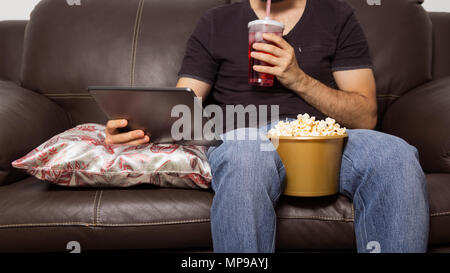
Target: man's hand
{"x": 352, "y": 105}
{"x": 282, "y": 57}
{"x": 136, "y": 137}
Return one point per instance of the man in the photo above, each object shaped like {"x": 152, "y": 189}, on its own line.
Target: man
{"x": 322, "y": 67}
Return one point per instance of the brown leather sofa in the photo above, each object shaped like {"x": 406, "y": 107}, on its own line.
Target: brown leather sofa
{"x": 46, "y": 64}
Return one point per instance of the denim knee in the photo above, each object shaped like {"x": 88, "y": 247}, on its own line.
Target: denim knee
{"x": 388, "y": 157}
{"x": 251, "y": 171}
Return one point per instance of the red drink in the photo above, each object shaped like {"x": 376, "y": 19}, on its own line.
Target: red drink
{"x": 256, "y": 30}
{"x": 254, "y": 77}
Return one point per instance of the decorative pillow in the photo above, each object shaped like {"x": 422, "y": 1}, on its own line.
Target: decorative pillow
{"x": 80, "y": 157}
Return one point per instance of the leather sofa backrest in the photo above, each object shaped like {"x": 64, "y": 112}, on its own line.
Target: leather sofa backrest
{"x": 105, "y": 42}
{"x": 142, "y": 42}
{"x": 11, "y": 43}
{"x": 441, "y": 44}
{"x": 399, "y": 33}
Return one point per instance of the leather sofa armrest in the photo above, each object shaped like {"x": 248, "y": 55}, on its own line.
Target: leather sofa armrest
{"x": 422, "y": 118}
{"x": 11, "y": 44}
{"x": 441, "y": 44}
{"x": 27, "y": 119}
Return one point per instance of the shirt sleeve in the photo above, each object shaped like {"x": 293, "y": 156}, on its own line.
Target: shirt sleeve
{"x": 352, "y": 48}
{"x": 198, "y": 62}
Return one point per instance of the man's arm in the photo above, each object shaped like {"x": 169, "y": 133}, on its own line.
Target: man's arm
{"x": 354, "y": 105}
{"x": 201, "y": 89}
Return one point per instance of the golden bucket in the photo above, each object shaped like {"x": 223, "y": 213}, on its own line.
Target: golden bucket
{"x": 312, "y": 164}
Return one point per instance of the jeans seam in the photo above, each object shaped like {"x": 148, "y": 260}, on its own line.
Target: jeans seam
{"x": 353, "y": 165}
{"x": 274, "y": 200}
{"x": 363, "y": 212}
{"x": 356, "y": 195}
{"x": 274, "y": 234}
{"x": 280, "y": 185}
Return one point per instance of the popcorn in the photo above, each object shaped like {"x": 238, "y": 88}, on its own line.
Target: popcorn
{"x": 305, "y": 125}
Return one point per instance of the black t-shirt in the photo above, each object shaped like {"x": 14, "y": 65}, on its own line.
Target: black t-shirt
{"x": 327, "y": 38}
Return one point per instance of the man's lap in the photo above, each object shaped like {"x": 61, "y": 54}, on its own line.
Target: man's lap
{"x": 363, "y": 149}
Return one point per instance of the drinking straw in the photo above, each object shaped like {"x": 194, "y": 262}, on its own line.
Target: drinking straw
{"x": 268, "y": 9}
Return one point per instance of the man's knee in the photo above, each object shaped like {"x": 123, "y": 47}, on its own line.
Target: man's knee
{"x": 388, "y": 157}
{"x": 252, "y": 170}
{"x": 375, "y": 149}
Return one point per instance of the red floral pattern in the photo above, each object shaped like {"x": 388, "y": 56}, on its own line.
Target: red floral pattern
{"x": 79, "y": 157}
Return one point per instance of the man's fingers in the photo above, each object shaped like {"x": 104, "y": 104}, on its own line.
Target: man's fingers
{"x": 276, "y": 51}
{"x": 266, "y": 58}
{"x": 276, "y": 39}
{"x": 141, "y": 141}
{"x": 266, "y": 69}
{"x": 125, "y": 137}
{"x": 112, "y": 125}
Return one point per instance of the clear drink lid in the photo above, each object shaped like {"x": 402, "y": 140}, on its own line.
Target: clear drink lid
{"x": 265, "y": 22}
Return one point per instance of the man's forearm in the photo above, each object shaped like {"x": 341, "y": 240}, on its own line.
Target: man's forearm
{"x": 351, "y": 109}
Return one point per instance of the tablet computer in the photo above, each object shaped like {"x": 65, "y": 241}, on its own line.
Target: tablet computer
{"x": 150, "y": 109}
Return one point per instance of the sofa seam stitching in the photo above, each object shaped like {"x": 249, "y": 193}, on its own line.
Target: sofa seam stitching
{"x": 446, "y": 213}
{"x": 105, "y": 224}
{"x": 388, "y": 95}
{"x": 95, "y": 201}
{"x": 98, "y": 208}
{"x": 318, "y": 218}
{"x": 134, "y": 41}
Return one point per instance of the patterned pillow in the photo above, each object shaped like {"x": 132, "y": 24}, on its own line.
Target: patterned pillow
{"x": 79, "y": 157}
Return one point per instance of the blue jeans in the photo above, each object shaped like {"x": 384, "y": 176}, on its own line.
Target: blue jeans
{"x": 379, "y": 172}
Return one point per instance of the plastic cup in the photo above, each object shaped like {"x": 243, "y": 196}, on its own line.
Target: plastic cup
{"x": 255, "y": 35}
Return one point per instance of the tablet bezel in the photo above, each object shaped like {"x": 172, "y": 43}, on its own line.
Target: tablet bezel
{"x": 217, "y": 141}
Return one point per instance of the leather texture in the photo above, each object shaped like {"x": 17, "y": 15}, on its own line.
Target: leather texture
{"x": 441, "y": 44}
{"x": 11, "y": 43}
{"x": 421, "y": 117}
{"x": 161, "y": 39}
{"x": 141, "y": 42}
{"x": 396, "y": 30}
{"x": 438, "y": 186}
{"x": 113, "y": 43}
{"x": 147, "y": 217}
{"x": 135, "y": 43}
{"x": 133, "y": 218}
{"x": 27, "y": 120}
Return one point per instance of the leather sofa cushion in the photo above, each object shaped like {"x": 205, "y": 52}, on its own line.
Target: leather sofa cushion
{"x": 421, "y": 117}
{"x": 69, "y": 47}
{"x": 11, "y": 44}
{"x": 39, "y": 216}
{"x": 441, "y": 44}
{"x": 400, "y": 40}
{"x": 105, "y": 42}
{"x": 27, "y": 119}
{"x": 136, "y": 42}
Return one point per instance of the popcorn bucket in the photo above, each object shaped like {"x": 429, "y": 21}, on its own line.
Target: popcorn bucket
{"x": 312, "y": 164}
